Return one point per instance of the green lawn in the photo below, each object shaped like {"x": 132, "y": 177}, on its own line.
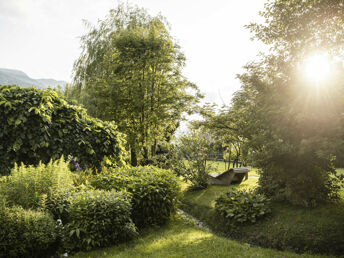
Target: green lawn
{"x": 181, "y": 238}
{"x": 219, "y": 166}
{"x": 208, "y": 196}
{"x": 340, "y": 171}
{"x": 320, "y": 229}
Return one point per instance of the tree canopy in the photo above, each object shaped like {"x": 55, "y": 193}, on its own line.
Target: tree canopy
{"x": 130, "y": 72}
{"x": 292, "y": 126}
{"x": 38, "y": 125}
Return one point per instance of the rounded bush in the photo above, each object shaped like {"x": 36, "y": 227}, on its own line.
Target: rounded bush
{"x": 98, "y": 218}
{"x": 242, "y": 206}
{"x": 26, "y": 233}
{"x": 38, "y": 125}
{"x": 155, "y": 192}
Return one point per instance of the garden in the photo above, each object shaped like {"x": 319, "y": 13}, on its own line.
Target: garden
{"x": 97, "y": 169}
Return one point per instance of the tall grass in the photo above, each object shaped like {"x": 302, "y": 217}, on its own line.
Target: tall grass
{"x": 28, "y": 186}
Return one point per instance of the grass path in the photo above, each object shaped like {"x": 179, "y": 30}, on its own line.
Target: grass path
{"x": 182, "y": 238}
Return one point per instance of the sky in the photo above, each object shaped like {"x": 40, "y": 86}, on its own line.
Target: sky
{"x": 42, "y": 37}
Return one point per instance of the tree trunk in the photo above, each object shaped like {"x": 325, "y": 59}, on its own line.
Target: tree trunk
{"x": 133, "y": 158}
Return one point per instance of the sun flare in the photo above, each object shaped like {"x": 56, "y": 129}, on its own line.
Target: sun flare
{"x": 317, "y": 68}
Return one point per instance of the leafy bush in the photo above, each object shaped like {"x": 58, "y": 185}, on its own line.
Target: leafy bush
{"x": 38, "y": 125}
{"x": 154, "y": 191}
{"x": 242, "y": 206}
{"x": 26, "y": 233}
{"x": 30, "y": 186}
{"x": 98, "y": 218}
{"x": 194, "y": 149}
{"x": 308, "y": 181}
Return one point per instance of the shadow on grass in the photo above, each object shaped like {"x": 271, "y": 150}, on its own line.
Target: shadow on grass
{"x": 183, "y": 239}
{"x": 319, "y": 230}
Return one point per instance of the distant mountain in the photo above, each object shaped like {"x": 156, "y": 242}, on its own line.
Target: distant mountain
{"x": 10, "y": 76}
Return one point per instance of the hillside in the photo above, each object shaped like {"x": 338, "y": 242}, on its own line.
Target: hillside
{"x": 11, "y": 76}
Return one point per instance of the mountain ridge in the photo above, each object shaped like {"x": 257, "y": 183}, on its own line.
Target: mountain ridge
{"x": 17, "y": 77}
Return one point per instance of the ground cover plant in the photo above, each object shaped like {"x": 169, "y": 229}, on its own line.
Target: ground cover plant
{"x": 238, "y": 207}
{"x": 38, "y": 125}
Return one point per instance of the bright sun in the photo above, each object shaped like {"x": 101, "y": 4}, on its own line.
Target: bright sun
{"x": 317, "y": 68}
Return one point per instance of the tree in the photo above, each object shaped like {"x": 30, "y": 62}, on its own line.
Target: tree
{"x": 292, "y": 127}
{"x": 38, "y": 125}
{"x": 227, "y": 127}
{"x": 130, "y": 72}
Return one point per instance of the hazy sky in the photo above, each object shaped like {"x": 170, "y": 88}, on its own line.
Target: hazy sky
{"x": 41, "y": 37}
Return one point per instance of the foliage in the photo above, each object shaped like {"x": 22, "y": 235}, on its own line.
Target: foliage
{"x": 98, "y": 218}
{"x": 26, "y": 233}
{"x": 226, "y": 125}
{"x": 37, "y": 125}
{"x": 288, "y": 227}
{"x": 295, "y": 27}
{"x": 30, "y": 186}
{"x": 130, "y": 72}
{"x": 242, "y": 206}
{"x": 155, "y": 192}
{"x": 195, "y": 148}
{"x": 292, "y": 127}
{"x": 58, "y": 201}
{"x": 182, "y": 238}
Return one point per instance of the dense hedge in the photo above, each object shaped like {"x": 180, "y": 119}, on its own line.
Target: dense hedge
{"x": 98, "y": 218}
{"x": 26, "y": 233}
{"x": 30, "y": 186}
{"x": 154, "y": 191}
{"x": 37, "y": 125}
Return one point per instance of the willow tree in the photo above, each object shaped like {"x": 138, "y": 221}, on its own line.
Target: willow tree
{"x": 130, "y": 72}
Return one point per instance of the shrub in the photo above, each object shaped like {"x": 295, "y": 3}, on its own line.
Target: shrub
{"x": 38, "y": 125}
{"x": 98, "y": 218}
{"x": 30, "y": 186}
{"x": 58, "y": 203}
{"x": 242, "y": 206}
{"x": 26, "y": 233}
{"x": 306, "y": 182}
{"x": 154, "y": 191}
{"x": 194, "y": 149}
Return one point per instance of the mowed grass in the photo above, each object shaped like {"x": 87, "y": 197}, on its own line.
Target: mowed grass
{"x": 220, "y": 166}
{"x": 208, "y": 196}
{"x": 340, "y": 171}
{"x": 290, "y": 227}
{"x": 181, "y": 238}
